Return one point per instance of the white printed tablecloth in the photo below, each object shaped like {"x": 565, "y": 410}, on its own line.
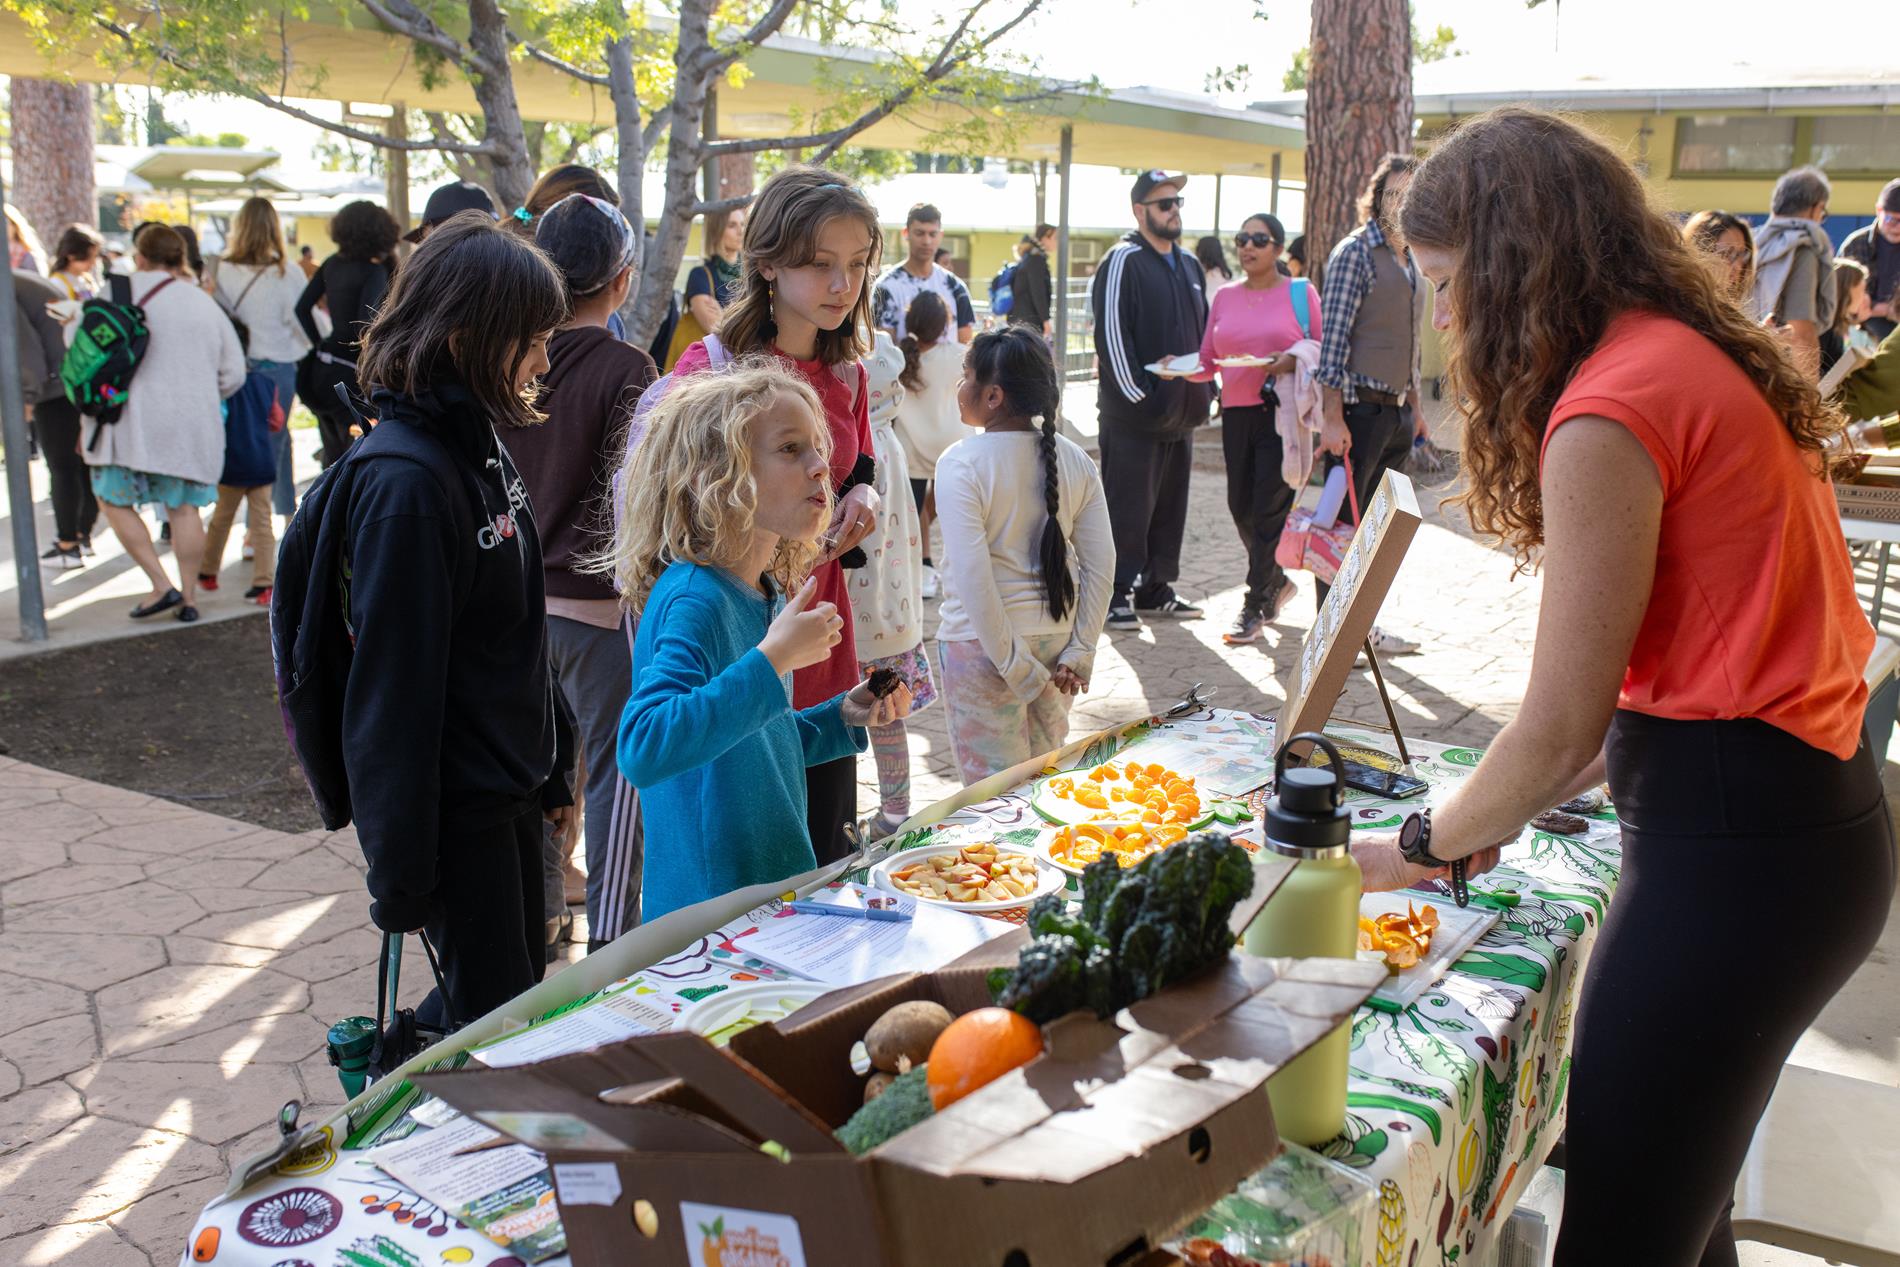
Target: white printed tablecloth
{"x": 1453, "y": 1101}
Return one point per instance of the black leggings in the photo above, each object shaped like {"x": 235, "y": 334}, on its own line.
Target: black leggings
{"x": 831, "y": 801}
{"x": 1757, "y": 874}
{"x": 486, "y": 921}
{"x": 56, "y": 422}
{"x": 1257, "y": 496}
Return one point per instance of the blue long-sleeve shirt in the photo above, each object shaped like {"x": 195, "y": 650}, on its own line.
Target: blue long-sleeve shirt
{"x": 710, "y": 738}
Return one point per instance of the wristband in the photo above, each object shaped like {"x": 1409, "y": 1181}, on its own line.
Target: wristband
{"x": 1415, "y": 845}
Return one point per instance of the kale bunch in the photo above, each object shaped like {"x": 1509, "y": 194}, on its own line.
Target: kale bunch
{"x": 1136, "y": 932}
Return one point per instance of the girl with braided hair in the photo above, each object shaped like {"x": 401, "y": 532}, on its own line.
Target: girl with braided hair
{"x": 1029, "y": 560}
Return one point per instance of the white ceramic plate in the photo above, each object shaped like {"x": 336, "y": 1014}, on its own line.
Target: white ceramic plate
{"x": 1242, "y": 362}
{"x": 758, "y": 1002}
{"x": 1049, "y": 877}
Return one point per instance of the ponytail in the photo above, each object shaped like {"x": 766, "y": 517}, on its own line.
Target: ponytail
{"x": 1058, "y": 585}
{"x": 1017, "y": 360}
{"x": 912, "y": 376}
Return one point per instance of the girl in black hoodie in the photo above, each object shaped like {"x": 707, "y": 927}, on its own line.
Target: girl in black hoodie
{"x": 453, "y": 741}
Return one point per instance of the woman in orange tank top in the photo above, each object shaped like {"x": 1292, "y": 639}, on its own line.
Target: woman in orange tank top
{"x": 1699, "y": 640}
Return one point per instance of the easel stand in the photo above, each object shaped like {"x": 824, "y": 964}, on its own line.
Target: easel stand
{"x": 1391, "y": 715}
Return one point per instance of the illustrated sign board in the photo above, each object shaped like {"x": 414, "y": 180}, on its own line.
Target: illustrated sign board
{"x": 1345, "y": 619}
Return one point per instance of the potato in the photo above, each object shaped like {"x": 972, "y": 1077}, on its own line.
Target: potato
{"x": 906, "y": 1031}
{"x": 874, "y": 1086}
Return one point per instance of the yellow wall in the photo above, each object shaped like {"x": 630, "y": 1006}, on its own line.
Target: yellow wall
{"x": 1649, "y": 141}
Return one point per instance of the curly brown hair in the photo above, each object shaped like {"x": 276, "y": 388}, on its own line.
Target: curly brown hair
{"x": 1557, "y": 237}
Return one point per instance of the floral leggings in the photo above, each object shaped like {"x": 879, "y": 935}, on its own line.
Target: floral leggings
{"x": 990, "y": 729}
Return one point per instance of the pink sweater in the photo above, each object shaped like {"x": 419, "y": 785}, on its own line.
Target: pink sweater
{"x": 1243, "y": 322}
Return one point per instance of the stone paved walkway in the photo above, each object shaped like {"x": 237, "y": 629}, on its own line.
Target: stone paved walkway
{"x": 166, "y": 975}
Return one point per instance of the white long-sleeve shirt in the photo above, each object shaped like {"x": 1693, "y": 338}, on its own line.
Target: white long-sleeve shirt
{"x": 269, "y": 308}
{"x": 990, "y": 507}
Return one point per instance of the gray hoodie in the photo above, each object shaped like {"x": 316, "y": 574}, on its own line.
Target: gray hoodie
{"x": 1778, "y": 244}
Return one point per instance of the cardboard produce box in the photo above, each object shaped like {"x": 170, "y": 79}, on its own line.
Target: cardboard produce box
{"x": 1092, "y": 1154}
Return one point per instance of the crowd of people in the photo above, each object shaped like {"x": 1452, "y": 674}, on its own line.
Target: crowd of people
{"x": 687, "y": 603}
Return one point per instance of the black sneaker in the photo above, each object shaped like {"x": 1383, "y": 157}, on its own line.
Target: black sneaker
{"x": 1247, "y": 627}
{"x": 1172, "y": 605}
{"x": 65, "y": 558}
{"x": 85, "y": 545}
{"x": 1122, "y": 616}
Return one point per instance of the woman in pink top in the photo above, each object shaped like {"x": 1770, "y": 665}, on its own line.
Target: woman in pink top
{"x": 1257, "y": 316}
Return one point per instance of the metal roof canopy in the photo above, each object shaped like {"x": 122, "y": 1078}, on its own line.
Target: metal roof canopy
{"x": 207, "y": 168}
{"x": 1135, "y": 127}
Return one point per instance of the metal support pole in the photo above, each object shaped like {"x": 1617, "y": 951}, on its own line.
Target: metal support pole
{"x": 1217, "y": 180}
{"x": 709, "y": 132}
{"x": 13, "y": 442}
{"x": 1060, "y": 285}
{"x": 1273, "y": 193}
{"x": 396, "y": 166}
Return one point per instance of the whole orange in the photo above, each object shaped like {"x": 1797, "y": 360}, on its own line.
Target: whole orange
{"x": 976, "y": 1049}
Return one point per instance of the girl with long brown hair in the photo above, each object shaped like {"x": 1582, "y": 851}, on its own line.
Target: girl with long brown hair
{"x": 811, "y": 244}
{"x": 256, "y": 284}
{"x": 1660, "y": 455}
{"x": 455, "y": 746}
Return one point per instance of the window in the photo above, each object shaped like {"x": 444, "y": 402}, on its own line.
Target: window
{"x": 1856, "y": 143}
{"x": 1746, "y": 143}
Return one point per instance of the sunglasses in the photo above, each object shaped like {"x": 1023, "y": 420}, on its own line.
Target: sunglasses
{"x": 1164, "y": 204}
{"x": 1255, "y": 239}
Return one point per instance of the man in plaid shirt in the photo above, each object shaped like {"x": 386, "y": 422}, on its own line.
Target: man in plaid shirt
{"x": 1369, "y": 348}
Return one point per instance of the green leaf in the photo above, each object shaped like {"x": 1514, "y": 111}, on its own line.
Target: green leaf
{"x": 1399, "y": 1104}
{"x": 1440, "y": 1058}
{"x": 1509, "y": 969}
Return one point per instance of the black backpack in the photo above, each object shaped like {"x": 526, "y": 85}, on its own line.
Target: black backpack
{"x": 311, "y": 642}
{"x": 106, "y": 351}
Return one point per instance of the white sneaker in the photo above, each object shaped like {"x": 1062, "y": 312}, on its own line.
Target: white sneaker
{"x": 250, "y": 552}
{"x": 1390, "y": 643}
{"x": 932, "y": 587}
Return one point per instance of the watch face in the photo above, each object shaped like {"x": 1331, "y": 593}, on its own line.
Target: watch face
{"x": 1409, "y": 833}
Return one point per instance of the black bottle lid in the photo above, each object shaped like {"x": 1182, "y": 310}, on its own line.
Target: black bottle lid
{"x": 1306, "y": 817}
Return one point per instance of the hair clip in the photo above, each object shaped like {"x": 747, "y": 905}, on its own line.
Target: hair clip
{"x": 523, "y": 214}
{"x": 833, "y": 185}
{"x": 1036, "y": 421}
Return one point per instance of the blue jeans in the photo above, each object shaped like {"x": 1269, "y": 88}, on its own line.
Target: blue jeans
{"x": 283, "y": 493}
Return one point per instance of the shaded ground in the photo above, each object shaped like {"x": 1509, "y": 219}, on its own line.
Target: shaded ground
{"x": 191, "y": 717}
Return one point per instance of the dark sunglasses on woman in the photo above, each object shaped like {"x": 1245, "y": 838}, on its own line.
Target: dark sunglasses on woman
{"x": 1254, "y": 239}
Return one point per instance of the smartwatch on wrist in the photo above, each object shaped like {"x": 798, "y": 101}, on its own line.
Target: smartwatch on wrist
{"x": 1415, "y": 845}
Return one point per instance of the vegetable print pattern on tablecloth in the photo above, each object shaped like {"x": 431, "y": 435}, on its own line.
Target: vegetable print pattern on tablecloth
{"x": 1455, "y": 1100}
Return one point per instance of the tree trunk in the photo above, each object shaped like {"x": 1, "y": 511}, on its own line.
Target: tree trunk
{"x": 1358, "y": 109}
{"x": 511, "y": 165}
{"x": 52, "y": 157}
{"x": 683, "y": 161}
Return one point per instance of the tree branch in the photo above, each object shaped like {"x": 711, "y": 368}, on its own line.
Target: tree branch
{"x": 380, "y": 139}
{"x": 722, "y": 204}
{"x": 946, "y": 63}
{"x": 565, "y": 67}
{"x": 405, "y": 19}
{"x": 661, "y": 120}
{"x": 766, "y": 27}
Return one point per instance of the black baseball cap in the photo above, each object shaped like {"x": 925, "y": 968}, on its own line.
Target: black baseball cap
{"x": 1148, "y": 182}
{"x": 1890, "y": 196}
{"x": 456, "y": 196}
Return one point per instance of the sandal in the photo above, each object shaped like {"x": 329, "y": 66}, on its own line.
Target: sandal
{"x": 208, "y": 581}
{"x": 172, "y": 599}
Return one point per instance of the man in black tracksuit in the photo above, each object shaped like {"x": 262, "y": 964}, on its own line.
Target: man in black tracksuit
{"x": 453, "y": 739}
{"x": 1150, "y": 301}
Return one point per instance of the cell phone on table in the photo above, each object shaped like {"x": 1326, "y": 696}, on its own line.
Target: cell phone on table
{"x": 1393, "y": 785}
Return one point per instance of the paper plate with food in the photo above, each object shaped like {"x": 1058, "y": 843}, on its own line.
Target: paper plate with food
{"x": 1176, "y": 366}
{"x": 1130, "y": 791}
{"x": 973, "y": 875}
{"x": 719, "y": 1016}
{"x": 1075, "y": 846}
{"x": 1243, "y": 362}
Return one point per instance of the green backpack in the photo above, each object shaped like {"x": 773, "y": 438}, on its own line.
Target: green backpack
{"x": 105, "y": 353}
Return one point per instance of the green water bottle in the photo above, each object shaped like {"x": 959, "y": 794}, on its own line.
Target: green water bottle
{"x": 1315, "y": 914}
{"x": 351, "y": 1040}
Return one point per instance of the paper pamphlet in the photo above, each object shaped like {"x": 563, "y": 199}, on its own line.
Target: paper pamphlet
{"x": 844, "y": 951}
{"x": 503, "y": 1192}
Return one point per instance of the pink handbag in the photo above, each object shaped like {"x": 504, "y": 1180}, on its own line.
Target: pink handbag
{"x": 1306, "y": 548}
